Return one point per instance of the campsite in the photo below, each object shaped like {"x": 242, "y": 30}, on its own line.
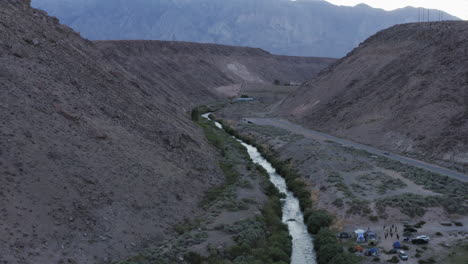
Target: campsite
{"x": 407, "y": 245}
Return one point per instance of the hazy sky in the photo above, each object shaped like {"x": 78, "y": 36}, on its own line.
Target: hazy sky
{"x": 457, "y": 8}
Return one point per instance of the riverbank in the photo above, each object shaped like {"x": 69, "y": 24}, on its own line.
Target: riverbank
{"x": 242, "y": 215}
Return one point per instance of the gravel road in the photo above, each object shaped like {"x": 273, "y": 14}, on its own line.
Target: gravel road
{"x": 297, "y": 129}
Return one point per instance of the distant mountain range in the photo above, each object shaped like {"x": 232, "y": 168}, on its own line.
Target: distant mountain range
{"x": 303, "y": 27}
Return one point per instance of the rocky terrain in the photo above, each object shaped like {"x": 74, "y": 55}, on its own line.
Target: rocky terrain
{"x": 405, "y": 89}
{"x": 301, "y": 28}
{"x": 99, "y": 158}
{"x": 201, "y": 70}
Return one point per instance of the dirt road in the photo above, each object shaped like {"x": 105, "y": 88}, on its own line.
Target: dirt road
{"x": 297, "y": 129}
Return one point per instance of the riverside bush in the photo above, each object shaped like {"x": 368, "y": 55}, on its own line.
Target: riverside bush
{"x": 329, "y": 251}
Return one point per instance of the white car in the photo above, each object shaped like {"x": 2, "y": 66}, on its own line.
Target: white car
{"x": 426, "y": 238}
{"x": 402, "y": 255}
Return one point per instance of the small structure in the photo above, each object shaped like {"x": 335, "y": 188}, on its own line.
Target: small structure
{"x": 370, "y": 236}
{"x": 293, "y": 84}
{"x": 243, "y": 99}
{"x": 397, "y": 244}
{"x": 360, "y": 236}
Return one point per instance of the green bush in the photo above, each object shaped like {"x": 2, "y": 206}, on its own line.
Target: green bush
{"x": 317, "y": 219}
{"x": 195, "y": 115}
{"x": 193, "y": 258}
{"x": 329, "y": 251}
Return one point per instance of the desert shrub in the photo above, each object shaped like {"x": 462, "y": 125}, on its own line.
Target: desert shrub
{"x": 276, "y": 82}
{"x": 432, "y": 181}
{"x": 186, "y": 226}
{"x": 409, "y": 203}
{"x": 231, "y": 177}
{"x": 359, "y": 207}
{"x": 420, "y": 224}
{"x": 457, "y": 223}
{"x": 338, "y": 202}
{"x": 244, "y": 96}
{"x": 430, "y": 260}
{"x": 193, "y": 258}
{"x": 373, "y": 218}
{"x": 394, "y": 259}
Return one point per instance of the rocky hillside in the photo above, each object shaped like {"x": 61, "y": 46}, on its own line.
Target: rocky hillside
{"x": 301, "y": 28}
{"x": 197, "y": 70}
{"x": 97, "y": 159}
{"x": 405, "y": 89}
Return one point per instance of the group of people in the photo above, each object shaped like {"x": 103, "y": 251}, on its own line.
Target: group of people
{"x": 392, "y": 230}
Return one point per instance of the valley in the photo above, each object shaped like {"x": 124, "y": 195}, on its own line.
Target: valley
{"x": 155, "y": 152}
{"x": 362, "y": 190}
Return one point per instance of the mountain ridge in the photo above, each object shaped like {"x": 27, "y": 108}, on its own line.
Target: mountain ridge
{"x": 301, "y": 28}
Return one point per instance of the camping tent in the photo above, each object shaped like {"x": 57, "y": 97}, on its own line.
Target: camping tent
{"x": 397, "y": 244}
{"x": 359, "y": 231}
{"x": 360, "y": 238}
{"x": 372, "y": 252}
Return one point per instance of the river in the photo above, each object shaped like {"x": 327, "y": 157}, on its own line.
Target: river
{"x": 302, "y": 244}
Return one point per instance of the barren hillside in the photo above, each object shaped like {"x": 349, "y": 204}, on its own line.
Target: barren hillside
{"x": 404, "y": 89}
{"x": 98, "y": 159}
{"x": 197, "y": 69}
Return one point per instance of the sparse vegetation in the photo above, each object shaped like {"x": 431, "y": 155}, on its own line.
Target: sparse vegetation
{"x": 431, "y": 181}
{"x": 318, "y": 221}
{"x": 264, "y": 239}
{"x": 415, "y": 204}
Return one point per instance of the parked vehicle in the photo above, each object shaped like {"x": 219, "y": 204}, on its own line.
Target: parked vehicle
{"x": 419, "y": 241}
{"x": 344, "y": 235}
{"x": 402, "y": 255}
{"x": 423, "y": 238}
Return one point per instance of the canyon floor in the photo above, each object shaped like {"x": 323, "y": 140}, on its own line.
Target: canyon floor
{"x": 361, "y": 189}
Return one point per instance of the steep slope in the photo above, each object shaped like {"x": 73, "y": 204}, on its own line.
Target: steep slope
{"x": 93, "y": 164}
{"x": 404, "y": 89}
{"x": 98, "y": 155}
{"x": 301, "y": 28}
{"x": 197, "y": 69}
